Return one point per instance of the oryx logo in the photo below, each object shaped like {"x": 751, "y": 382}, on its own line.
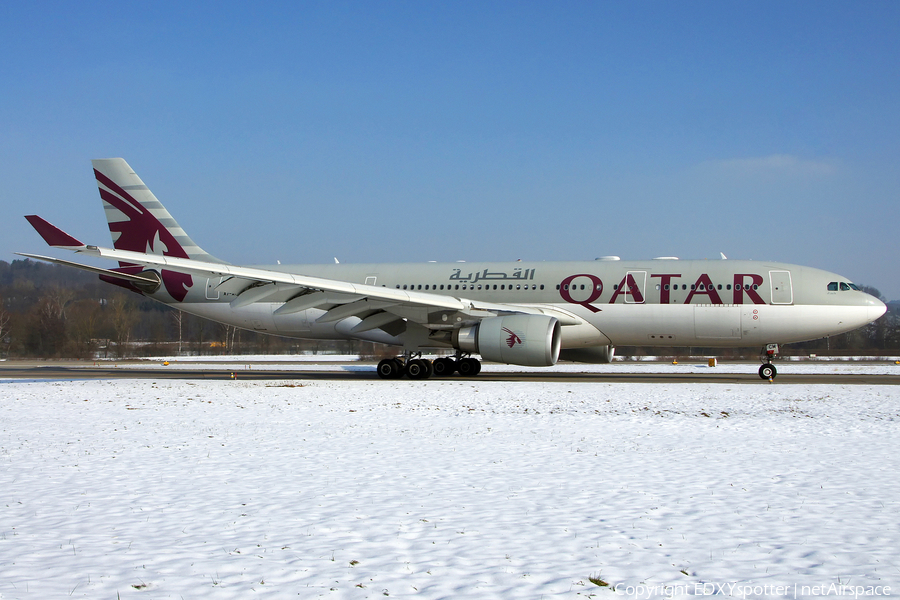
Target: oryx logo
{"x": 513, "y": 339}
{"x": 142, "y": 232}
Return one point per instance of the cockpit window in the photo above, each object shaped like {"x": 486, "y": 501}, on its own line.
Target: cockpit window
{"x": 845, "y": 287}
{"x": 853, "y": 286}
{"x": 832, "y": 287}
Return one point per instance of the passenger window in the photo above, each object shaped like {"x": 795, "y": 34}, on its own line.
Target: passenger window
{"x": 426, "y": 287}
{"x": 542, "y": 286}
{"x": 728, "y": 287}
{"x": 845, "y": 287}
{"x": 720, "y": 286}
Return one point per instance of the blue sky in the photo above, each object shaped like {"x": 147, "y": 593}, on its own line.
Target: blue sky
{"x": 414, "y": 131}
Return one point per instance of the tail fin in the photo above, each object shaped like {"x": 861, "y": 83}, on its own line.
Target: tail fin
{"x": 137, "y": 220}
{"x": 53, "y": 235}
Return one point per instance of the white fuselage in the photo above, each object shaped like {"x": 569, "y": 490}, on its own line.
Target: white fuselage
{"x": 649, "y": 303}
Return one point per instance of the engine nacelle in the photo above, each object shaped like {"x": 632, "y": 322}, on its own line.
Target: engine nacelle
{"x": 593, "y": 354}
{"x": 528, "y": 340}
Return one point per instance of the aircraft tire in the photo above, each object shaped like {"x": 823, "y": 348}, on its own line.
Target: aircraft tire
{"x": 400, "y": 370}
{"x": 419, "y": 369}
{"x": 390, "y": 368}
{"x": 469, "y": 367}
{"x": 444, "y": 367}
{"x": 768, "y": 371}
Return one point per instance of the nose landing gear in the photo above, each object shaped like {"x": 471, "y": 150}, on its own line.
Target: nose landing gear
{"x": 768, "y": 370}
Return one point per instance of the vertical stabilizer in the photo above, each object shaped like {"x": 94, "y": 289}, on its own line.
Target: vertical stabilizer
{"x": 140, "y": 223}
{"x": 137, "y": 220}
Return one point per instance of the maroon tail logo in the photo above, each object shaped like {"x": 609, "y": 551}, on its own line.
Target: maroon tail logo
{"x": 142, "y": 232}
{"x": 513, "y": 339}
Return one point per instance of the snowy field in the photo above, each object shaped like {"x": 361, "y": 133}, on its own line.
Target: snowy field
{"x": 447, "y": 489}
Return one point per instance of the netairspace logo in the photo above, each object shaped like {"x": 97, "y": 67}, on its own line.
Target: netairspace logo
{"x": 748, "y": 590}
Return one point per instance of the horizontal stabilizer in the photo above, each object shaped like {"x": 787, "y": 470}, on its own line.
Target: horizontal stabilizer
{"x": 53, "y": 235}
{"x": 150, "y": 280}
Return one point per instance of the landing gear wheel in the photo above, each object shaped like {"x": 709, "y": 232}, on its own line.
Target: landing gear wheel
{"x": 419, "y": 368}
{"x": 469, "y": 367}
{"x": 768, "y": 372}
{"x": 444, "y": 367}
{"x": 400, "y": 370}
{"x": 390, "y": 368}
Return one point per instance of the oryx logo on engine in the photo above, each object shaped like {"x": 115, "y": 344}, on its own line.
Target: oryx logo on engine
{"x": 513, "y": 339}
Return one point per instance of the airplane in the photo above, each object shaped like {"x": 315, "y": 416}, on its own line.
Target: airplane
{"x": 522, "y": 313}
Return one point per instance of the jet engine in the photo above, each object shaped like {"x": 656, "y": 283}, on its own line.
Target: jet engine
{"x": 529, "y": 340}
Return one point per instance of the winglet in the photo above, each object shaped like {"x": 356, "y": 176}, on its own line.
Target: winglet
{"x": 53, "y": 235}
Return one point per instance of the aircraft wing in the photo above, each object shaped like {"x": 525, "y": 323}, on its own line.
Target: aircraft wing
{"x": 344, "y": 298}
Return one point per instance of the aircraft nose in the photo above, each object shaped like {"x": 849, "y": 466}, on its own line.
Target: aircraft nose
{"x": 876, "y": 309}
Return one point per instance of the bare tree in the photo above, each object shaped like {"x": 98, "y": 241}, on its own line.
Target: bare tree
{"x": 228, "y": 333}
{"x": 84, "y": 317}
{"x": 58, "y": 299}
{"x": 178, "y": 317}
{"x": 124, "y": 318}
{"x": 4, "y": 325}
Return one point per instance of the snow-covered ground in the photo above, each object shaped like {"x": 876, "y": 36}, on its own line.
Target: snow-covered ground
{"x": 446, "y": 489}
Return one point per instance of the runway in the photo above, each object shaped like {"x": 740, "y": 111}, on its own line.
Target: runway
{"x": 638, "y": 373}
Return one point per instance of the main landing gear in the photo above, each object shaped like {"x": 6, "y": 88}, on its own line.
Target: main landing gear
{"x": 416, "y": 367}
{"x": 768, "y": 370}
